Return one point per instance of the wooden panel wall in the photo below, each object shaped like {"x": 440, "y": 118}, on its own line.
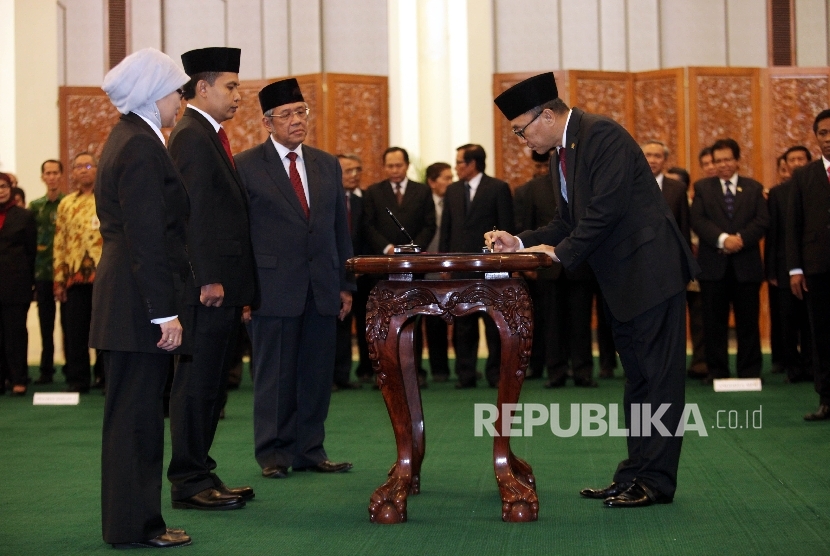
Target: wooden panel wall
{"x": 348, "y": 113}
{"x": 660, "y": 111}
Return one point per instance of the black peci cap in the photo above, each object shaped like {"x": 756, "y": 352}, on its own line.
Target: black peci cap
{"x": 218, "y": 59}
{"x": 527, "y": 95}
{"x": 279, "y": 93}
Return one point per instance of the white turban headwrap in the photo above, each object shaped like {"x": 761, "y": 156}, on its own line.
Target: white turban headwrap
{"x": 142, "y": 78}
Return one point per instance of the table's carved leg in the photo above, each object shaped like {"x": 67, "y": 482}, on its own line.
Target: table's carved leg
{"x": 517, "y": 485}
{"x": 388, "y": 503}
{"x": 406, "y": 358}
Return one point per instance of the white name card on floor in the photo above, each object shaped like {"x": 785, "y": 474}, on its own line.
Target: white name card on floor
{"x": 56, "y": 398}
{"x": 737, "y": 384}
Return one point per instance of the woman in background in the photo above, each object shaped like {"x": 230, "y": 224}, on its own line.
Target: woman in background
{"x": 18, "y": 246}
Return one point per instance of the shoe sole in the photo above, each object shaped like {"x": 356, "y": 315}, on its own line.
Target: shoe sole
{"x": 127, "y": 545}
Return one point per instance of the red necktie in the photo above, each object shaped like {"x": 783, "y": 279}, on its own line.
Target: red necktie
{"x": 296, "y": 182}
{"x": 398, "y": 193}
{"x": 223, "y": 138}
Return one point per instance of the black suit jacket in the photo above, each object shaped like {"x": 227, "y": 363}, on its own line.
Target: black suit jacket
{"x": 18, "y": 247}
{"x": 775, "y": 245}
{"x": 808, "y": 222}
{"x": 218, "y": 232}
{"x": 616, "y": 219}
{"x": 358, "y": 225}
{"x": 750, "y": 219}
{"x": 492, "y": 207}
{"x": 144, "y": 272}
{"x": 294, "y": 253}
{"x": 416, "y": 213}
{"x": 674, "y": 192}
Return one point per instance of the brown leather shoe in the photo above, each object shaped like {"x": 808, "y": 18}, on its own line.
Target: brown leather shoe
{"x": 275, "y": 472}
{"x": 245, "y": 492}
{"x": 821, "y": 414}
{"x": 210, "y": 499}
{"x": 167, "y": 539}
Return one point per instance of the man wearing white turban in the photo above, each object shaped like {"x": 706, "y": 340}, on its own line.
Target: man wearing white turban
{"x": 139, "y": 315}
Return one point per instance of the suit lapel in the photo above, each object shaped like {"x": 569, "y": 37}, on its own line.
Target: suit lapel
{"x": 217, "y": 144}
{"x": 276, "y": 170}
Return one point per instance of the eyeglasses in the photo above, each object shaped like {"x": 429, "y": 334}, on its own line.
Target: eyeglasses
{"x": 521, "y": 132}
{"x": 301, "y": 113}
{"x": 353, "y": 171}
{"x": 83, "y": 167}
{"x": 181, "y": 93}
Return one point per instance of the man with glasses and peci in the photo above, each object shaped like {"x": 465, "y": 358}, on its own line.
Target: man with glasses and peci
{"x": 611, "y": 214}
{"x": 300, "y": 234}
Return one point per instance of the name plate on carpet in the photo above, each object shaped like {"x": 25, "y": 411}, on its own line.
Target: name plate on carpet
{"x": 56, "y": 398}
{"x": 737, "y": 384}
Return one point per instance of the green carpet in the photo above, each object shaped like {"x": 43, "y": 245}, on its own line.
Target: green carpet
{"x": 741, "y": 491}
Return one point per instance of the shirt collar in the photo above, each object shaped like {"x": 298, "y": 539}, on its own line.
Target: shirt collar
{"x": 475, "y": 181}
{"x": 826, "y": 163}
{"x": 565, "y": 131}
{"x": 283, "y": 151}
{"x": 659, "y": 178}
{"x": 733, "y": 180}
{"x": 403, "y": 183}
{"x": 207, "y": 116}
{"x": 155, "y": 129}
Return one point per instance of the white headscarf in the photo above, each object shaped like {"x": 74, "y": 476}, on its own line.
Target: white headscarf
{"x": 142, "y": 78}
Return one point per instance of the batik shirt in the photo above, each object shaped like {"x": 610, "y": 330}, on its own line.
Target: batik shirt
{"x": 45, "y": 213}
{"x": 78, "y": 242}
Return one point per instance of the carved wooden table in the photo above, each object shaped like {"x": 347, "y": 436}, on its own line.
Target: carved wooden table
{"x": 390, "y": 313}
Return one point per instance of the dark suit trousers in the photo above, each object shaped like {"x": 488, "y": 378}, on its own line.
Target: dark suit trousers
{"x": 776, "y": 329}
{"x": 46, "y": 310}
{"x": 694, "y": 301}
{"x": 796, "y": 338}
{"x": 652, "y": 348}
{"x": 133, "y": 446}
{"x": 568, "y": 306}
{"x": 436, "y": 334}
{"x": 359, "y": 300}
{"x": 14, "y": 339}
{"x": 818, "y": 302}
{"x": 465, "y": 340}
{"x": 197, "y": 398}
{"x": 78, "y": 309}
{"x": 745, "y": 300}
{"x": 605, "y": 337}
{"x": 293, "y": 358}
{"x": 543, "y": 329}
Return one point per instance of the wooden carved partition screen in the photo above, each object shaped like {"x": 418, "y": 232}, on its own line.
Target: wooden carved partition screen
{"x": 349, "y": 113}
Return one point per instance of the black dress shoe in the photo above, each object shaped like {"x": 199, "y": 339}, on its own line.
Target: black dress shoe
{"x": 637, "y": 496}
{"x": 99, "y": 383}
{"x": 821, "y": 414}
{"x": 246, "y": 492}
{"x": 210, "y": 499}
{"x": 175, "y": 531}
{"x": 464, "y": 385}
{"x": 168, "y": 539}
{"x": 44, "y": 379}
{"x": 602, "y": 493}
{"x": 78, "y": 389}
{"x": 327, "y": 467}
{"x": 275, "y": 472}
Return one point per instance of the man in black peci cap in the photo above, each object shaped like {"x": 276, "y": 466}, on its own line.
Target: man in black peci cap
{"x": 611, "y": 214}
{"x": 220, "y": 252}
{"x": 301, "y": 238}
